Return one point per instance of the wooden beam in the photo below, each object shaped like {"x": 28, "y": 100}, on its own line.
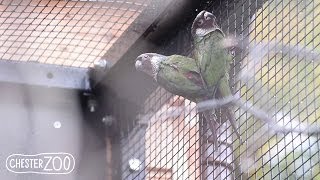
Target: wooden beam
{"x": 135, "y": 30}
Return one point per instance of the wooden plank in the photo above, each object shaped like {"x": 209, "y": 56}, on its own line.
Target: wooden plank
{"x": 136, "y": 30}
{"x": 153, "y": 20}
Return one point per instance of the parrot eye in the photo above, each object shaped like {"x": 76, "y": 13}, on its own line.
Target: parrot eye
{"x": 200, "y": 22}
{"x": 144, "y": 57}
{"x": 207, "y": 17}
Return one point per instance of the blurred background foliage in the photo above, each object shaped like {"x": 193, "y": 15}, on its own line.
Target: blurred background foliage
{"x": 285, "y": 84}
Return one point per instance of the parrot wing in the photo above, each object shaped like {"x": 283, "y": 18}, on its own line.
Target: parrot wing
{"x": 180, "y": 75}
{"x": 212, "y": 58}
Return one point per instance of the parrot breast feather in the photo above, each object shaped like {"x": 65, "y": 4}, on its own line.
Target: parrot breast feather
{"x": 212, "y": 57}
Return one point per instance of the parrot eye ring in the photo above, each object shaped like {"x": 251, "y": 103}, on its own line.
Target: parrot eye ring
{"x": 207, "y": 17}
{"x": 145, "y": 57}
{"x": 200, "y": 22}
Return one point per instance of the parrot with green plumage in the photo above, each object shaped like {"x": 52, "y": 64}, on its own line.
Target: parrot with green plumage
{"x": 177, "y": 74}
{"x": 213, "y": 59}
{"x": 200, "y": 78}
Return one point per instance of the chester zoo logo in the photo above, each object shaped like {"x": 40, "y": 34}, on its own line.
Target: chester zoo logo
{"x": 43, "y": 163}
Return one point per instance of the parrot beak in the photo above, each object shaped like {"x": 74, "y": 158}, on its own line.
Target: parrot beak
{"x": 211, "y": 17}
{"x": 201, "y": 14}
{"x": 138, "y": 65}
{"x": 207, "y": 14}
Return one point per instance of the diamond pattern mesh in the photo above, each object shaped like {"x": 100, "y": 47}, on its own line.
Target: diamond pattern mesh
{"x": 276, "y": 72}
{"x": 275, "y": 69}
{"x": 70, "y": 33}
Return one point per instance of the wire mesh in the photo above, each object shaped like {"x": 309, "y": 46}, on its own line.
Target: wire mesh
{"x": 70, "y": 33}
{"x": 276, "y": 70}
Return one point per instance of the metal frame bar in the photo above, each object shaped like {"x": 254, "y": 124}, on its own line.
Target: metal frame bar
{"x": 31, "y": 73}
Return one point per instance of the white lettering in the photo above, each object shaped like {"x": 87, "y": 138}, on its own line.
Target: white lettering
{"x": 12, "y": 165}
{"x": 45, "y": 163}
{"x": 40, "y": 163}
{"x": 46, "y": 167}
{"x": 54, "y": 164}
{"x": 66, "y": 167}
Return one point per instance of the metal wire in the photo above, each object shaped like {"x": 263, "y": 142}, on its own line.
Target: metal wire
{"x": 69, "y": 33}
{"x": 283, "y": 83}
{"x": 276, "y": 38}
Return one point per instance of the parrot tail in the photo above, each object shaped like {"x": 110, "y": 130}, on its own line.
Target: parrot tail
{"x": 233, "y": 124}
{"x": 212, "y": 123}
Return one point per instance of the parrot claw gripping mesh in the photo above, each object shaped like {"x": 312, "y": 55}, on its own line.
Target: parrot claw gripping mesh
{"x": 200, "y": 78}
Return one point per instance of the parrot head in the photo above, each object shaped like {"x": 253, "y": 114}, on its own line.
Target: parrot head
{"x": 149, "y": 63}
{"x": 203, "y": 24}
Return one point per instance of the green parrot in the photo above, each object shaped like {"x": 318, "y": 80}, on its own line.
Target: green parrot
{"x": 199, "y": 79}
{"x": 209, "y": 52}
{"x": 213, "y": 59}
{"x": 177, "y": 74}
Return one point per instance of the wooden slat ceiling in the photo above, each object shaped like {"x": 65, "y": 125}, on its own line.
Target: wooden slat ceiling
{"x": 69, "y": 33}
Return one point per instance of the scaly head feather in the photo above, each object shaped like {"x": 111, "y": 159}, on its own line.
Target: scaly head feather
{"x": 204, "y": 24}
{"x": 149, "y": 63}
